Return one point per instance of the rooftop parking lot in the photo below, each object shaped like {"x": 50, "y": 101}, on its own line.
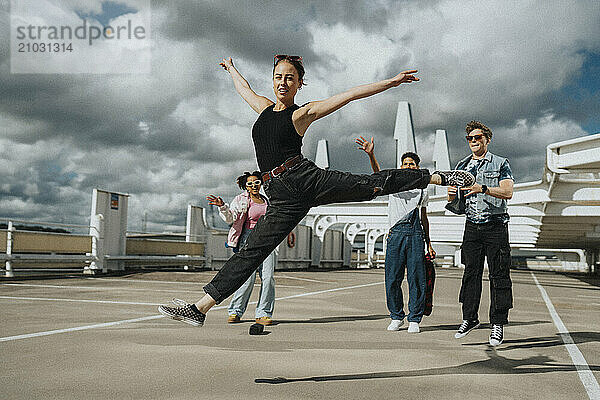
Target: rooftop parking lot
{"x": 102, "y": 338}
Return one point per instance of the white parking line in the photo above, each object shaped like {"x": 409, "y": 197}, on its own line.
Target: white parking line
{"x": 81, "y": 300}
{"x": 78, "y": 328}
{"x": 590, "y": 297}
{"x": 107, "y": 324}
{"x": 123, "y": 288}
{"x": 329, "y": 290}
{"x": 301, "y": 279}
{"x": 585, "y": 374}
{"x": 143, "y": 280}
{"x": 197, "y": 283}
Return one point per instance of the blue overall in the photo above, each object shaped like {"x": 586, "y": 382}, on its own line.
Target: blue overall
{"x": 406, "y": 250}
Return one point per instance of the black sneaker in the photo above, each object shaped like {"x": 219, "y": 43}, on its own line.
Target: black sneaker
{"x": 456, "y": 178}
{"x": 188, "y": 313}
{"x": 496, "y": 335}
{"x": 466, "y": 327}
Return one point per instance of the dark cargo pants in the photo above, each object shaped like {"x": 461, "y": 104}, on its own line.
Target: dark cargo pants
{"x": 480, "y": 241}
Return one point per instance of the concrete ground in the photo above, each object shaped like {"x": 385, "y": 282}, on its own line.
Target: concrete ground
{"x": 102, "y": 338}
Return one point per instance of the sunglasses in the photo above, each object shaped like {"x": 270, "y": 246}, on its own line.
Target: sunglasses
{"x": 254, "y": 183}
{"x": 471, "y": 138}
{"x": 280, "y": 57}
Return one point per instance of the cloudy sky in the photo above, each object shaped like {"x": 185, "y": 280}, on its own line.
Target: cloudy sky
{"x": 529, "y": 69}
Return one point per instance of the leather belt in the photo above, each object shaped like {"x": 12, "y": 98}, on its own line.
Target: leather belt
{"x": 283, "y": 167}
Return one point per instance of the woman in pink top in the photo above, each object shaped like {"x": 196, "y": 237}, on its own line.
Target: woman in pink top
{"x": 243, "y": 214}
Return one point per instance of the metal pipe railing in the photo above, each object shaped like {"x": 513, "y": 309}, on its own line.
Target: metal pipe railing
{"x": 29, "y": 222}
{"x": 10, "y": 258}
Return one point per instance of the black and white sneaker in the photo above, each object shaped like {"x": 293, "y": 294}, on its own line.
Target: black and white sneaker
{"x": 187, "y": 313}
{"x": 456, "y": 178}
{"x": 496, "y": 335}
{"x": 466, "y": 327}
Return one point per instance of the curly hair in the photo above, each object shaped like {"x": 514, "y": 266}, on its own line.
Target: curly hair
{"x": 242, "y": 179}
{"x": 410, "y": 154}
{"x": 471, "y": 126}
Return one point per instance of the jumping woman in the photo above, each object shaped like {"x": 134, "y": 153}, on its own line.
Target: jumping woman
{"x": 293, "y": 183}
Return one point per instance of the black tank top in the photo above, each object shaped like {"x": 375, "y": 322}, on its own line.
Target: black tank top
{"x": 275, "y": 138}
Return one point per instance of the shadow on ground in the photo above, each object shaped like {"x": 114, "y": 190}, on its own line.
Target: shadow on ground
{"x": 593, "y": 280}
{"x": 495, "y": 364}
{"x": 326, "y": 320}
{"x": 453, "y": 327}
{"x": 543, "y": 342}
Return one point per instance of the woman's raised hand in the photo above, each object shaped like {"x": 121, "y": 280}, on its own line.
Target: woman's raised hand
{"x": 215, "y": 201}
{"x": 365, "y": 145}
{"x": 405, "y": 77}
{"x": 226, "y": 63}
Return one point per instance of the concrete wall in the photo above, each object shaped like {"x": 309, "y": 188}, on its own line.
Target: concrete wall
{"x": 288, "y": 257}
{"x": 332, "y": 250}
{"x": 163, "y": 247}
{"x": 216, "y": 252}
{"x": 295, "y": 253}
{"x": 36, "y": 242}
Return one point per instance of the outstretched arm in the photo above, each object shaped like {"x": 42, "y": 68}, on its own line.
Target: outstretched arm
{"x": 311, "y": 112}
{"x": 369, "y": 148}
{"x": 225, "y": 211}
{"x": 258, "y": 103}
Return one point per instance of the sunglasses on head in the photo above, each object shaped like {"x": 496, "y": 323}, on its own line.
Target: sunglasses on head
{"x": 255, "y": 183}
{"x": 280, "y": 57}
{"x": 471, "y": 138}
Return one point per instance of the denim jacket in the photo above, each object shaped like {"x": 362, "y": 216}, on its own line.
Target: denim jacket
{"x": 481, "y": 207}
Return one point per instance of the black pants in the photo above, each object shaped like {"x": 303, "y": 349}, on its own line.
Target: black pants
{"x": 480, "y": 241}
{"x": 291, "y": 195}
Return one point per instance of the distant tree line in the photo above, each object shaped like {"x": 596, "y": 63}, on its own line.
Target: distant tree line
{"x": 35, "y": 228}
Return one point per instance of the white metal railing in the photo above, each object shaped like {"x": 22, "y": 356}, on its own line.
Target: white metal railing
{"x": 175, "y": 234}
{"x": 33, "y": 223}
{"x": 13, "y": 257}
{"x": 38, "y": 249}
{"x": 10, "y": 257}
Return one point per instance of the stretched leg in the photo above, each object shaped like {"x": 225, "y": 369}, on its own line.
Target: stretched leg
{"x": 266, "y": 299}
{"x": 321, "y": 187}
{"x": 339, "y": 187}
{"x": 240, "y": 299}
{"x": 270, "y": 230}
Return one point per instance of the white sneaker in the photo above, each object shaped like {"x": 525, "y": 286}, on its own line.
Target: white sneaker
{"x": 395, "y": 325}
{"x": 413, "y": 327}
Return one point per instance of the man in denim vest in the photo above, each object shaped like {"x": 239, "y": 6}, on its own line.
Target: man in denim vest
{"x": 486, "y": 233}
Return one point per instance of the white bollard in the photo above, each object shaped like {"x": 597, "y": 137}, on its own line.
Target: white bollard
{"x": 97, "y": 233}
{"x": 9, "y": 241}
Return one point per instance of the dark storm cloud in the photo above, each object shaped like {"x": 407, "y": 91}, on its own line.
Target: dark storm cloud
{"x": 255, "y": 30}
{"x": 172, "y": 137}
